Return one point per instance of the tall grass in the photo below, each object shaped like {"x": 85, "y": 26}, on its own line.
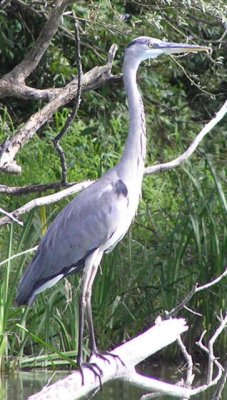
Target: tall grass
{"x": 162, "y": 257}
{"x": 9, "y": 277}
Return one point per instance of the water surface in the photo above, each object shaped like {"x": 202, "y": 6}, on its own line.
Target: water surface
{"x": 21, "y": 385}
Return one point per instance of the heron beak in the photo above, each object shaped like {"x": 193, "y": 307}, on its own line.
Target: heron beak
{"x": 177, "y": 48}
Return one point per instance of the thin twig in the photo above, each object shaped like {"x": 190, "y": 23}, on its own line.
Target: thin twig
{"x": 210, "y": 352}
{"x": 211, "y": 359}
{"x": 192, "y": 311}
{"x": 194, "y": 290}
{"x": 182, "y": 304}
{"x": 75, "y": 108}
{"x": 52, "y": 198}
{"x": 20, "y": 190}
{"x": 11, "y": 216}
{"x": 61, "y": 154}
{"x": 191, "y": 80}
{"x": 217, "y": 333}
{"x": 183, "y": 157}
{"x": 190, "y": 376}
{"x": 212, "y": 283}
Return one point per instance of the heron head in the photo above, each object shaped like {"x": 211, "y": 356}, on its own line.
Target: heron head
{"x": 144, "y": 47}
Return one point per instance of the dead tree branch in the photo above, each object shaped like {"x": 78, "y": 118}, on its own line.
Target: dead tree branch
{"x": 132, "y": 352}
{"x": 11, "y": 217}
{"x": 94, "y": 78}
{"x": 21, "y": 190}
{"x": 13, "y": 83}
{"x": 53, "y": 198}
{"x": 221, "y": 384}
{"x": 210, "y": 352}
{"x": 183, "y": 157}
{"x": 211, "y": 380}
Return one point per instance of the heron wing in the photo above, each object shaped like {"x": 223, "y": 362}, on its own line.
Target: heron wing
{"x": 94, "y": 219}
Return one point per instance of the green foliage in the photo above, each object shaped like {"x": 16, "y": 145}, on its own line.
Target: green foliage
{"x": 179, "y": 236}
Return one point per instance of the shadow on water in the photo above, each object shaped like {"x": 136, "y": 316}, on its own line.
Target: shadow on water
{"x": 21, "y": 385}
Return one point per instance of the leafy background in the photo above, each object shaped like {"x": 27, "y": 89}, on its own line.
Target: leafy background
{"x": 179, "y": 235}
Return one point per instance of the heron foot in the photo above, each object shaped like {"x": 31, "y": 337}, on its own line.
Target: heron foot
{"x": 94, "y": 368}
{"x": 105, "y": 354}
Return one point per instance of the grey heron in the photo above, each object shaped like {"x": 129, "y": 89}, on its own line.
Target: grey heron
{"x": 99, "y": 217}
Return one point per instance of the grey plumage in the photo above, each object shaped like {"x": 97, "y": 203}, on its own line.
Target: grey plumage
{"x": 98, "y": 218}
{"x": 88, "y": 222}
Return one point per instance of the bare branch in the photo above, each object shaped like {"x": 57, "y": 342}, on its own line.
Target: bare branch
{"x": 190, "y": 376}
{"x": 222, "y": 326}
{"x": 20, "y": 190}
{"x": 33, "y": 57}
{"x": 22, "y": 91}
{"x": 221, "y": 384}
{"x": 183, "y": 157}
{"x": 91, "y": 80}
{"x": 193, "y": 291}
{"x": 11, "y": 217}
{"x": 182, "y": 304}
{"x": 193, "y": 311}
{"x": 78, "y": 94}
{"x": 53, "y": 198}
{"x": 210, "y": 352}
{"x": 61, "y": 154}
{"x": 13, "y": 84}
{"x": 188, "y": 391}
{"x": 131, "y": 353}
{"x": 212, "y": 283}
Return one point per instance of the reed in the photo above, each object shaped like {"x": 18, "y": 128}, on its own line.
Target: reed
{"x": 165, "y": 253}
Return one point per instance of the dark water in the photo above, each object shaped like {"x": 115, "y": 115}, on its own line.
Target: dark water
{"x": 20, "y": 385}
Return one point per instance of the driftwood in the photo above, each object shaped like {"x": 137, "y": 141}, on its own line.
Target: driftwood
{"x": 135, "y": 351}
{"x": 131, "y": 353}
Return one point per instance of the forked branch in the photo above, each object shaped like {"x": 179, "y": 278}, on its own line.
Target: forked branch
{"x": 13, "y": 84}
{"x": 91, "y": 80}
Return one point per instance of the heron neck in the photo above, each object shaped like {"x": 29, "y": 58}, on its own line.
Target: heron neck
{"x": 135, "y": 150}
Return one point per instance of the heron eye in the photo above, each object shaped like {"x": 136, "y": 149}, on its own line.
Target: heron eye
{"x": 150, "y": 44}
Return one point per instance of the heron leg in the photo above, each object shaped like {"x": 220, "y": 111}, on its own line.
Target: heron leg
{"x": 93, "y": 345}
{"x": 82, "y": 307}
{"x": 91, "y": 266}
{"x": 94, "y": 351}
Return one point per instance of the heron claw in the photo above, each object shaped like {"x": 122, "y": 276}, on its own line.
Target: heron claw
{"x": 94, "y": 368}
{"x": 103, "y": 355}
